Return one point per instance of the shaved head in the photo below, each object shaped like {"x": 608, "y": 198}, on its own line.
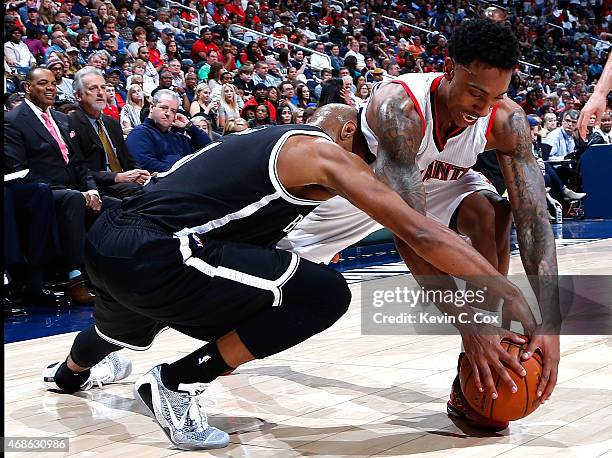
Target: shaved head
{"x": 341, "y": 123}
{"x": 333, "y": 116}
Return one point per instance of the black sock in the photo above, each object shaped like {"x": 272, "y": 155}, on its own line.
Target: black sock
{"x": 202, "y": 366}
{"x": 70, "y": 381}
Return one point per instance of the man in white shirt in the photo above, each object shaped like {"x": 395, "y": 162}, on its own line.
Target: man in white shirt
{"x": 16, "y": 52}
{"x": 354, "y": 51}
{"x": 317, "y": 61}
{"x": 162, "y": 23}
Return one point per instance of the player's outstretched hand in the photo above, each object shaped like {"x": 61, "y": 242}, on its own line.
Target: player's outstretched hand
{"x": 548, "y": 343}
{"x": 485, "y": 353}
{"x": 595, "y": 106}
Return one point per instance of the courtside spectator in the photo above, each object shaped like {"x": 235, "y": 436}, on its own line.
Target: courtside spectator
{"x": 159, "y": 141}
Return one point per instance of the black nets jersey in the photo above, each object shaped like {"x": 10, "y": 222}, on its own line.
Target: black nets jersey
{"x": 229, "y": 190}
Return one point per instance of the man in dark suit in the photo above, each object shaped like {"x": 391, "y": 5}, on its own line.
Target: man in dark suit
{"x": 100, "y": 138}
{"x": 41, "y": 140}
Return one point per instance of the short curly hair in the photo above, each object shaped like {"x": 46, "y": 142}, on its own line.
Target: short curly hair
{"x": 484, "y": 40}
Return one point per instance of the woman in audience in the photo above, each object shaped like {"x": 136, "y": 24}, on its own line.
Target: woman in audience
{"x": 273, "y": 96}
{"x": 130, "y": 113}
{"x": 100, "y": 16}
{"x": 364, "y": 90}
{"x": 139, "y": 35}
{"x": 95, "y": 60}
{"x": 303, "y": 96}
{"x": 292, "y": 74}
{"x": 47, "y": 11}
{"x": 173, "y": 52}
{"x": 350, "y": 62}
{"x": 214, "y": 75}
{"x": 203, "y": 123}
{"x": 550, "y": 124}
{"x": 228, "y": 108}
{"x": 298, "y": 115}
{"x": 284, "y": 114}
{"x": 148, "y": 82}
{"x": 134, "y": 7}
{"x": 251, "y": 53}
{"x": 106, "y": 59}
{"x": 235, "y": 125}
{"x": 82, "y": 42}
{"x": 203, "y": 105}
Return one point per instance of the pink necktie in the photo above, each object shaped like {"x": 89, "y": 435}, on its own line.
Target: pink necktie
{"x": 55, "y": 134}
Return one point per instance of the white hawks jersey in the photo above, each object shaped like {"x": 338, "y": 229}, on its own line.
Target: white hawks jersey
{"x": 445, "y": 171}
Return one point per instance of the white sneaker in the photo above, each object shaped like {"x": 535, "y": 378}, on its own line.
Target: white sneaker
{"x": 573, "y": 195}
{"x": 179, "y": 413}
{"x": 111, "y": 369}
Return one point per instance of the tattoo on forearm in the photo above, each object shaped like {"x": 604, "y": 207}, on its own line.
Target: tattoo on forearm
{"x": 536, "y": 242}
{"x": 399, "y": 132}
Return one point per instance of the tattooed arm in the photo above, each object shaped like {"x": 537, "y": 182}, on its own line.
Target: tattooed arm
{"x": 400, "y": 132}
{"x": 537, "y": 246}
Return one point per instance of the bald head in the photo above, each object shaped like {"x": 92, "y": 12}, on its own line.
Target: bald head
{"x": 332, "y": 117}
{"x": 340, "y": 122}
{"x": 495, "y": 14}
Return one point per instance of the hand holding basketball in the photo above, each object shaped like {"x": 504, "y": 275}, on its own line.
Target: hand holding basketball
{"x": 509, "y": 405}
{"x": 548, "y": 343}
{"x": 484, "y": 351}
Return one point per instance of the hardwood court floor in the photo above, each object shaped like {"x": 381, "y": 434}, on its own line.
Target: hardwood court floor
{"x": 338, "y": 394}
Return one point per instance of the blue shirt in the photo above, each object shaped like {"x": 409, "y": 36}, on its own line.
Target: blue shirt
{"x": 561, "y": 144}
{"x": 157, "y": 151}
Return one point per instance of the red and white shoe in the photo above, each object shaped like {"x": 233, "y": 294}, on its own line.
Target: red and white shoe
{"x": 459, "y": 409}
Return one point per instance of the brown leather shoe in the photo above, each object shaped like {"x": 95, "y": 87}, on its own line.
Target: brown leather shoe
{"x": 78, "y": 291}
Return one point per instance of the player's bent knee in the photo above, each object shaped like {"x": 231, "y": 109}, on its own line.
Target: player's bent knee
{"x": 332, "y": 297}
{"x": 339, "y": 296}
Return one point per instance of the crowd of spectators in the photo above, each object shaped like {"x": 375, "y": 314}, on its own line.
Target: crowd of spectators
{"x": 145, "y": 82}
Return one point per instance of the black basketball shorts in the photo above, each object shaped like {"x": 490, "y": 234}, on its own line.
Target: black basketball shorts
{"x": 147, "y": 280}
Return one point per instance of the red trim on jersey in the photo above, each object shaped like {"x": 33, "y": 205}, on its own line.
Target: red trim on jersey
{"x": 438, "y": 140}
{"x": 414, "y": 101}
{"x": 490, "y": 125}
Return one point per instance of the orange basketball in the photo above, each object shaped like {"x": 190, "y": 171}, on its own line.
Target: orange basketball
{"x": 508, "y": 406}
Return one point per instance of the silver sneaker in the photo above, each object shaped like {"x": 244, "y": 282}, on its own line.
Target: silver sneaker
{"x": 179, "y": 413}
{"x": 111, "y": 369}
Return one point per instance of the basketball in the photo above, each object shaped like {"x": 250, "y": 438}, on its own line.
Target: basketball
{"x": 508, "y": 406}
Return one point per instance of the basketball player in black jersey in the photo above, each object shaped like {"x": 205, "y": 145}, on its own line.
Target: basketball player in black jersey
{"x": 193, "y": 250}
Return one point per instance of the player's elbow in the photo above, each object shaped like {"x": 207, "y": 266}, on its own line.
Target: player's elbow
{"x": 421, "y": 239}
{"x": 424, "y": 240}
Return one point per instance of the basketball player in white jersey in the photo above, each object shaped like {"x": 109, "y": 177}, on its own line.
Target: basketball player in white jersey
{"x": 426, "y": 131}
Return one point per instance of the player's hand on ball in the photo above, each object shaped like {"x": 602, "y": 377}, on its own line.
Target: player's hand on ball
{"x": 484, "y": 352}
{"x": 548, "y": 343}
